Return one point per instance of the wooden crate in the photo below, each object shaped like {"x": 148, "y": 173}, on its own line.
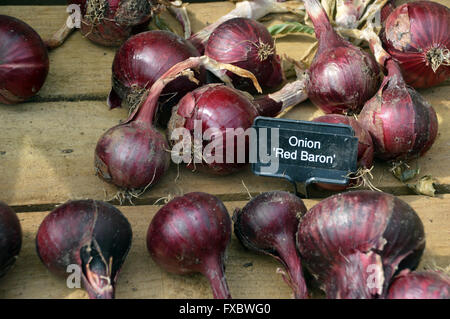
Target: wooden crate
{"x": 46, "y": 158}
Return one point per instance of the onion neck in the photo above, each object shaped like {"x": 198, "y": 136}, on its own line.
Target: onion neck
{"x": 375, "y": 45}
{"x": 214, "y": 271}
{"x": 289, "y": 257}
{"x": 325, "y": 34}
{"x": 182, "y": 16}
{"x": 59, "y": 37}
{"x": 290, "y": 95}
{"x": 146, "y": 111}
{"x": 394, "y": 71}
{"x": 355, "y": 276}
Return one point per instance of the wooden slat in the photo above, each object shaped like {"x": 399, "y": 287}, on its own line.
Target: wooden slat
{"x": 249, "y": 275}
{"x": 47, "y": 151}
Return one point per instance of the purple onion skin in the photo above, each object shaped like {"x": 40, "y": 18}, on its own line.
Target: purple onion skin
{"x": 145, "y": 57}
{"x": 402, "y": 124}
{"x": 413, "y": 30}
{"x": 420, "y": 285}
{"x": 10, "y": 238}
{"x": 190, "y": 234}
{"x": 365, "y": 146}
{"x": 350, "y": 239}
{"x": 145, "y": 148}
{"x": 220, "y": 107}
{"x": 342, "y": 76}
{"x": 114, "y": 21}
{"x": 268, "y": 224}
{"x": 94, "y": 235}
{"x": 248, "y": 44}
{"x": 24, "y": 61}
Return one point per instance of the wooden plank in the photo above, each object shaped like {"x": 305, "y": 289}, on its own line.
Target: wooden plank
{"x": 249, "y": 275}
{"x": 47, "y": 151}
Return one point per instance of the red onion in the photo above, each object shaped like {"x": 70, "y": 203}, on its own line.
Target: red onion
{"x": 417, "y": 36}
{"x": 420, "y": 285}
{"x": 365, "y": 147}
{"x": 93, "y": 235}
{"x": 190, "y": 234}
{"x": 402, "y": 124}
{"x": 254, "y": 9}
{"x": 220, "y": 108}
{"x": 142, "y": 59}
{"x": 342, "y": 76}
{"x": 248, "y": 44}
{"x": 134, "y": 155}
{"x": 110, "y": 22}
{"x": 10, "y": 238}
{"x": 23, "y": 61}
{"x": 267, "y": 224}
{"x": 354, "y": 242}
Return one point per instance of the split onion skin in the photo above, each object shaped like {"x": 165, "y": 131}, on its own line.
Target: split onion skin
{"x": 190, "y": 234}
{"x": 412, "y": 31}
{"x": 403, "y": 125}
{"x": 10, "y": 238}
{"x": 24, "y": 62}
{"x": 353, "y": 238}
{"x": 267, "y": 224}
{"x": 145, "y": 57}
{"x": 420, "y": 285}
{"x": 247, "y": 44}
{"x": 94, "y": 235}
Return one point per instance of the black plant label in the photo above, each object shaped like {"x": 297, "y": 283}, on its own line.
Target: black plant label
{"x": 302, "y": 151}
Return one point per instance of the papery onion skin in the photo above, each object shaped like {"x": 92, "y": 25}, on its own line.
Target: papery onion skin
{"x": 248, "y": 44}
{"x": 365, "y": 145}
{"x": 111, "y": 22}
{"x": 412, "y": 31}
{"x": 355, "y": 238}
{"x": 24, "y": 61}
{"x": 402, "y": 124}
{"x": 190, "y": 234}
{"x": 94, "y": 235}
{"x": 268, "y": 224}
{"x": 142, "y": 59}
{"x": 10, "y": 238}
{"x": 420, "y": 285}
{"x": 342, "y": 76}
